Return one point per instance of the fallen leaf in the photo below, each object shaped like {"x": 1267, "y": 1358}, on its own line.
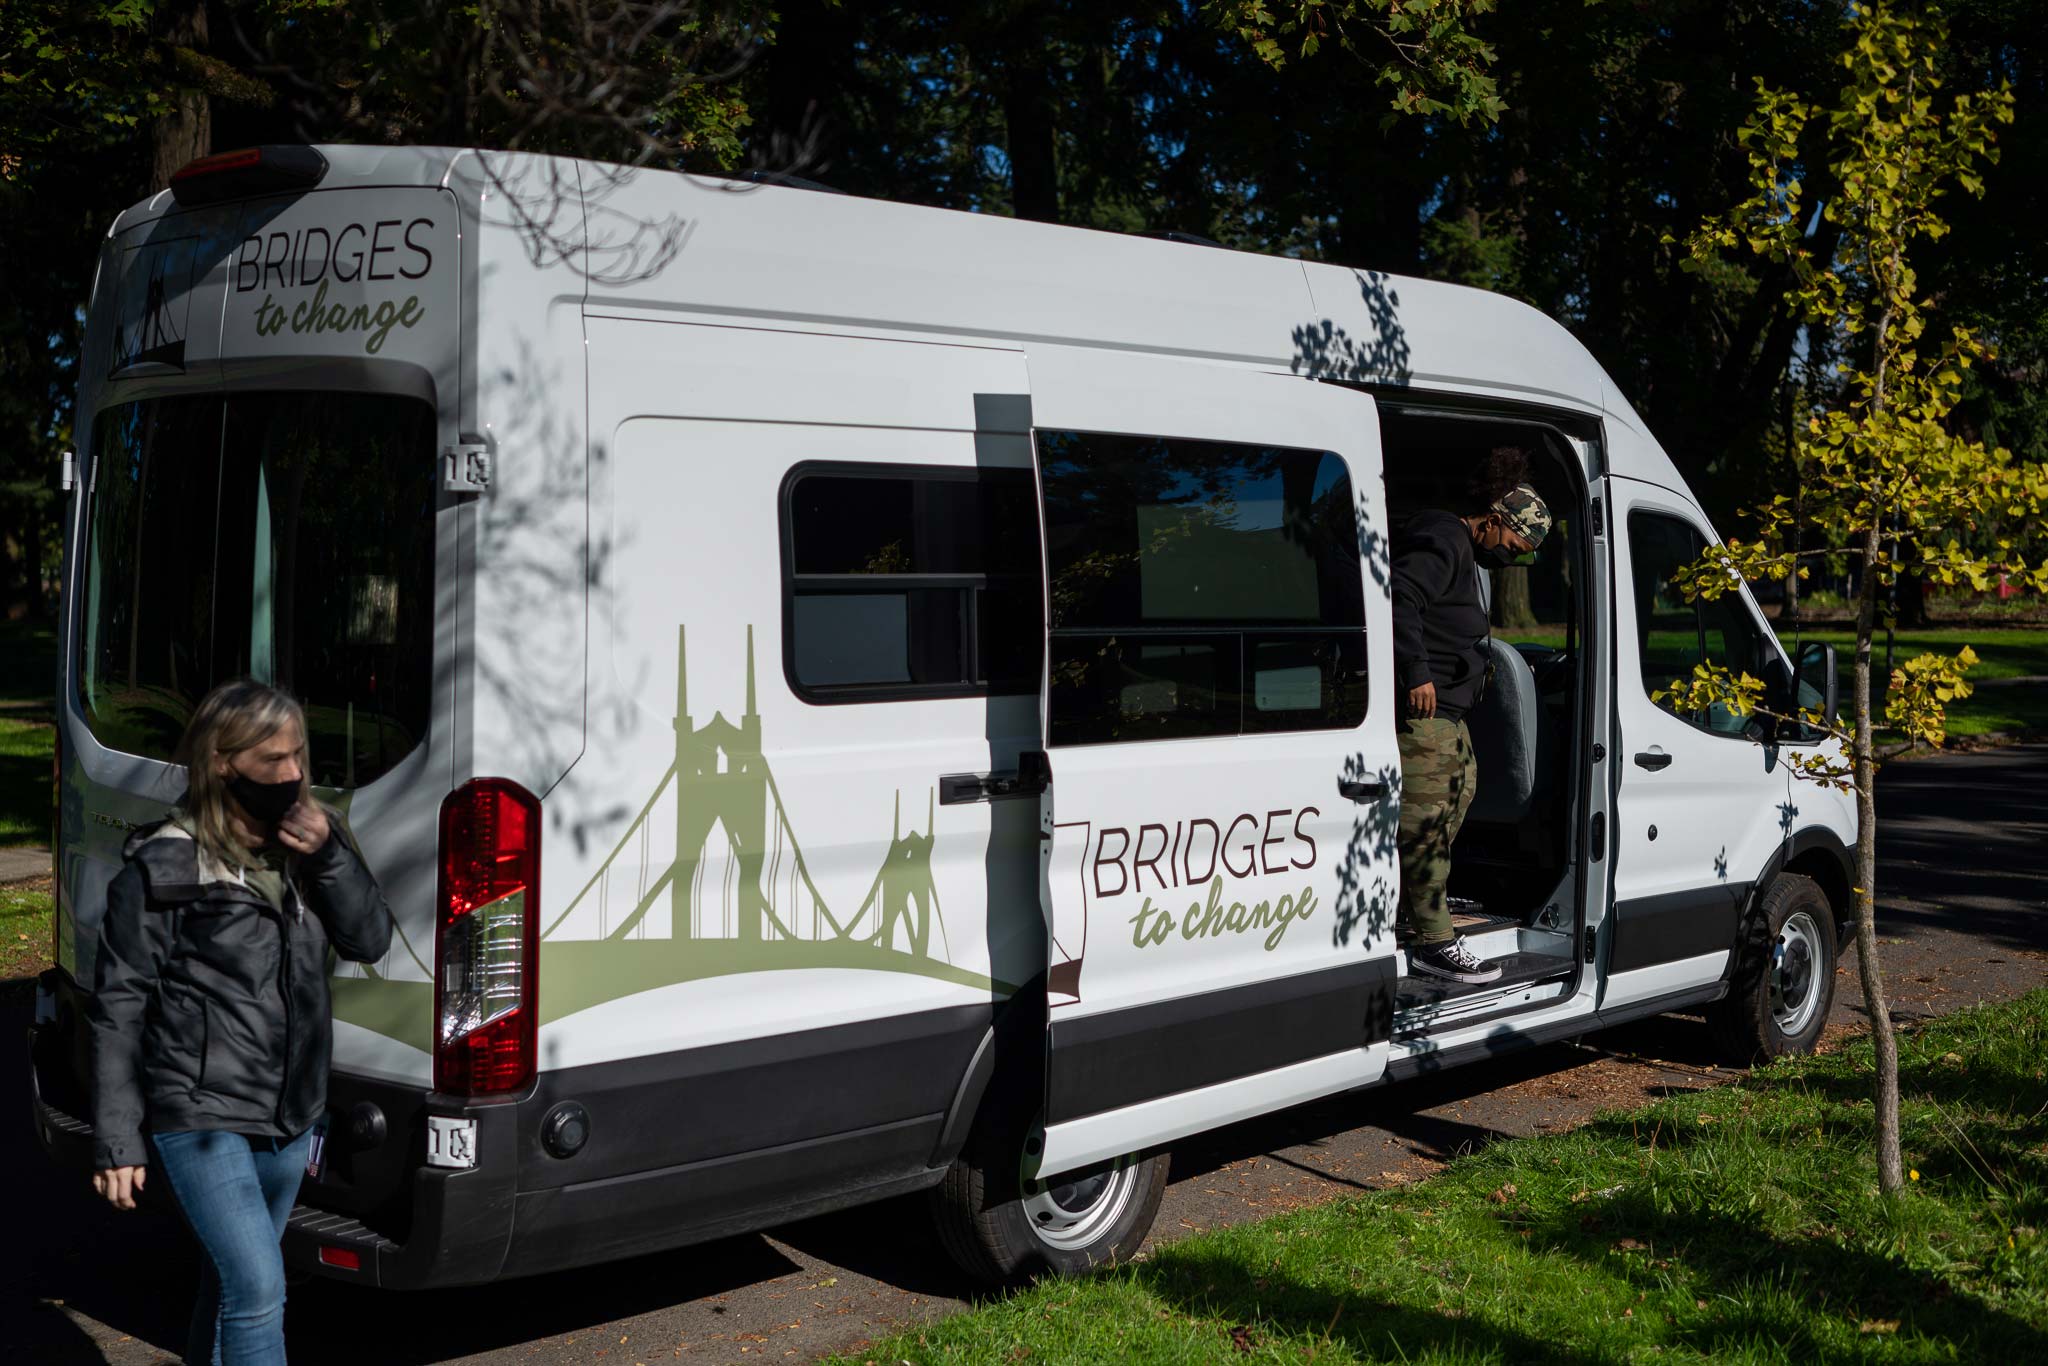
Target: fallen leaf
{"x": 1878, "y": 1326}
{"x": 1504, "y": 1194}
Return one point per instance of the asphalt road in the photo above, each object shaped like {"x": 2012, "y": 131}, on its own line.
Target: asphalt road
{"x": 1963, "y": 890}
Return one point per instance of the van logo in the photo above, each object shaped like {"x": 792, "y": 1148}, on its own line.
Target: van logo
{"x": 310, "y": 258}
{"x": 111, "y": 822}
{"x": 153, "y": 298}
{"x": 1212, "y": 863}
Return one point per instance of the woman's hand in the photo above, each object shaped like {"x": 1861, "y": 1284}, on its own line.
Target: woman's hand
{"x": 120, "y": 1185}
{"x": 303, "y": 829}
{"x": 1422, "y": 700}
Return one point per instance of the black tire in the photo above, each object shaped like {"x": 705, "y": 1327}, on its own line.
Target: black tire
{"x": 1001, "y": 1230}
{"x": 1784, "y": 983}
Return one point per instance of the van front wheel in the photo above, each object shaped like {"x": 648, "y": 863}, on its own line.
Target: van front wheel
{"x": 1784, "y": 982}
{"x": 1001, "y": 1227}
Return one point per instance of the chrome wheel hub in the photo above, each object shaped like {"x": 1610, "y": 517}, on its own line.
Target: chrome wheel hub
{"x": 1796, "y": 969}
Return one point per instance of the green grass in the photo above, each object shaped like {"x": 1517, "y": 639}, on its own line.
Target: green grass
{"x": 24, "y": 930}
{"x": 1739, "y": 1225}
{"x": 25, "y": 749}
{"x": 2003, "y": 652}
{"x": 28, "y": 654}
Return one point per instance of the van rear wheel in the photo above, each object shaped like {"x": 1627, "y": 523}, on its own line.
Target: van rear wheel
{"x": 1001, "y": 1227}
{"x": 1784, "y": 982}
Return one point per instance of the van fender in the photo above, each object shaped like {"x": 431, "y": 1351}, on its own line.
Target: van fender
{"x": 1004, "y": 1084}
{"x": 1813, "y": 851}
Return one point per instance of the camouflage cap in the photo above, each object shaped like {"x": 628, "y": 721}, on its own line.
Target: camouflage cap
{"x": 1524, "y": 513}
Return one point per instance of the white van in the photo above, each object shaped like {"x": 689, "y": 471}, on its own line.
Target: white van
{"x": 847, "y": 698}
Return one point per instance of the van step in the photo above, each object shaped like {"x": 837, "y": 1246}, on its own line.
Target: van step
{"x": 1516, "y": 969}
{"x": 325, "y": 1226}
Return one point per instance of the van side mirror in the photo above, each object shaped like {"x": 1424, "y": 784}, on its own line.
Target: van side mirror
{"x": 1819, "y": 689}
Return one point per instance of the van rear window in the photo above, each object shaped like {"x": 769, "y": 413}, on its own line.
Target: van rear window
{"x": 284, "y": 536}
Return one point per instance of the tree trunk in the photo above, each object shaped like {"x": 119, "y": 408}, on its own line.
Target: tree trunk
{"x": 1511, "y": 609}
{"x": 185, "y": 132}
{"x": 1890, "y": 1166}
{"x": 1028, "y": 120}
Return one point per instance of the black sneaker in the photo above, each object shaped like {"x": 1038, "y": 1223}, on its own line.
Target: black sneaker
{"x": 1453, "y": 961}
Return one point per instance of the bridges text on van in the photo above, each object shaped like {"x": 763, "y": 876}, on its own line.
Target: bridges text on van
{"x": 1241, "y": 851}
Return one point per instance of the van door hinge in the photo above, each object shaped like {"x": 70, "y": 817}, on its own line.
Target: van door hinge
{"x": 67, "y": 480}
{"x": 466, "y": 467}
{"x": 1587, "y": 941}
{"x": 1599, "y": 519}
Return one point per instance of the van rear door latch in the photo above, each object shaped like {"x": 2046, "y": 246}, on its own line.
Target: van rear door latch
{"x": 466, "y": 466}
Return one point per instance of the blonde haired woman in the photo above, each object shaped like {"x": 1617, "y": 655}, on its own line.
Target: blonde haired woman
{"x": 210, "y": 1016}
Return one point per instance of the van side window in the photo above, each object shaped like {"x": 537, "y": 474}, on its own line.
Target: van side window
{"x": 1199, "y": 588}
{"x": 910, "y": 581}
{"x": 1674, "y": 635}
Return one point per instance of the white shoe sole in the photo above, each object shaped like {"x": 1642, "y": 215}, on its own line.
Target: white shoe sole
{"x": 1475, "y": 979}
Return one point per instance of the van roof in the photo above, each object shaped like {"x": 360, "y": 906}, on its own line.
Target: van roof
{"x": 843, "y": 261}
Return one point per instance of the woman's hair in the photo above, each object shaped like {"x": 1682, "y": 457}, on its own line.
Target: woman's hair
{"x": 233, "y": 717}
{"x": 1498, "y": 471}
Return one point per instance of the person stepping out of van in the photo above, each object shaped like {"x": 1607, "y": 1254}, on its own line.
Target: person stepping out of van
{"x": 1440, "y": 655}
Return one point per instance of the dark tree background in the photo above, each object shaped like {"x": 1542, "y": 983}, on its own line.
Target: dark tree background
{"x": 1616, "y": 132}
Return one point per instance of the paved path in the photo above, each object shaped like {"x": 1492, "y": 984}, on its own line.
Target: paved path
{"x": 19, "y": 865}
{"x": 1964, "y": 890}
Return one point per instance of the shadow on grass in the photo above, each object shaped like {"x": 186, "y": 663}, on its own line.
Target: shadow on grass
{"x": 1733, "y": 1261}
{"x": 1211, "y": 1283}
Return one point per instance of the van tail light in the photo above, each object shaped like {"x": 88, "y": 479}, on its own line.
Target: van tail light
{"x": 344, "y": 1258}
{"x": 277, "y": 168}
{"x": 487, "y": 940}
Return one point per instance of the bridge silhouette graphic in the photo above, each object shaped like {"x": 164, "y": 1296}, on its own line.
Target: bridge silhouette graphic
{"x": 737, "y": 896}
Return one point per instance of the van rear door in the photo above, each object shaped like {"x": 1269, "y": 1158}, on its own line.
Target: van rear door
{"x": 1224, "y": 795}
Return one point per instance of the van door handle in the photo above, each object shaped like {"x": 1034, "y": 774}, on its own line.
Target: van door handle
{"x": 1652, "y": 760}
{"x": 1361, "y": 789}
{"x": 1029, "y": 779}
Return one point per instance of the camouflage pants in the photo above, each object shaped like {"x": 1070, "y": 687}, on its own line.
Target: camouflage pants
{"x": 1438, "y": 777}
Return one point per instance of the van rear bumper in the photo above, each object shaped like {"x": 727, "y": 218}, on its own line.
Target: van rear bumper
{"x": 409, "y": 1226}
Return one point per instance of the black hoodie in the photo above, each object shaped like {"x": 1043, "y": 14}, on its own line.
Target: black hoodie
{"x": 1440, "y": 626}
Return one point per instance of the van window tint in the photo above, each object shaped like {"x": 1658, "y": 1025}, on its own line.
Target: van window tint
{"x": 288, "y": 537}
{"x": 1673, "y": 636}
{"x": 910, "y": 581}
{"x": 1199, "y": 588}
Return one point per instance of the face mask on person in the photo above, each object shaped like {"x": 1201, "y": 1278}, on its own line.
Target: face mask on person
{"x": 267, "y": 802}
{"x": 1498, "y": 555}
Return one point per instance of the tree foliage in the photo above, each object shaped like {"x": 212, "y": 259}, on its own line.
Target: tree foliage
{"x": 1424, "y": 51}
{"x": 1884, "y": 473}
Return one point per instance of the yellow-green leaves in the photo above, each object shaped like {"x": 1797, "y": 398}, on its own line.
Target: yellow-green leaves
{"x": 1424, "y": 50}
{"x": 1884, "y": 479}
{"x": 1917, "y": 702}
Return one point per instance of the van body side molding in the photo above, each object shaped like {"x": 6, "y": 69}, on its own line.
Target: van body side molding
{"x": 1665, "y": 928}
{"x": 1140, "y": 1053}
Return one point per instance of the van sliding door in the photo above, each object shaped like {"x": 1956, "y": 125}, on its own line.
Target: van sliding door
{"x": 1219, "y": 719}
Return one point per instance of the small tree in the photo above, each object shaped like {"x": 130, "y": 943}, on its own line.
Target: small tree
{"x": 1883, "y": 475}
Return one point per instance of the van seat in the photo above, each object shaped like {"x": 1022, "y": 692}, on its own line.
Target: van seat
{"x": 1510, "y": 736}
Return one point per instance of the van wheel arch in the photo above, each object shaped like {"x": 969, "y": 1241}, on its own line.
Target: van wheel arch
{"x": 1781, "y": 974}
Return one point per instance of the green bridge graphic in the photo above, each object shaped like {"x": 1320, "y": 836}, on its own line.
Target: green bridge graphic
{"x": 763, "y": 912}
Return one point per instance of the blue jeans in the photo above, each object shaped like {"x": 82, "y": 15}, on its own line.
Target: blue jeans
{"x": 235, "y": 1193}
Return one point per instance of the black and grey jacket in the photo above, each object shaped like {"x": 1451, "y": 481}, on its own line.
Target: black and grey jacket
{"x": 210, "y": 1006}
{"x": 1440, "y": 626}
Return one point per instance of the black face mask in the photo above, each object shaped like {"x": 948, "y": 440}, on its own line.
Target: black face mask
{"x": 1496, "y": 556}
{"x": 267, "y": 802}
